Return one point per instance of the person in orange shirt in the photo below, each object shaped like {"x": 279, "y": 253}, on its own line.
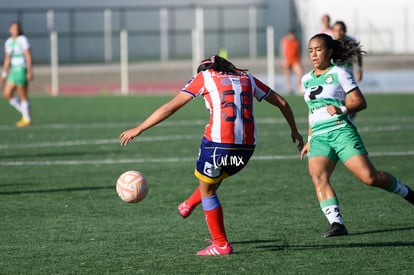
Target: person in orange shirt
{"x": 290, "y": 54}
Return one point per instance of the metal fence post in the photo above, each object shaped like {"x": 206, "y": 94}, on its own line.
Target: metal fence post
{"x": 124, "y": 62}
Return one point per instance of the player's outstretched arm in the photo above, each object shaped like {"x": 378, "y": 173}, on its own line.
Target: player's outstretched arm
{"x": 159, "y": 115}
{"x": 278, "y": 101}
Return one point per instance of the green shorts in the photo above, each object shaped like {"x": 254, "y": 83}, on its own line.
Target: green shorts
{"x": 340, "y": 144}
{"x": 18, "y": 76}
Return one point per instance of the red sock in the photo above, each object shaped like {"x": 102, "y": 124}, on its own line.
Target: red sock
{"x": 215, "y": 223}
{"x": 194, "y": 199}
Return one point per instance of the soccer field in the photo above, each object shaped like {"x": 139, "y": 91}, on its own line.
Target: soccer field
{"x": 60, "y": 213}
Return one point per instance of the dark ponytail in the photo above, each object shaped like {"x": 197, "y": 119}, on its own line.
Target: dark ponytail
{"x": 219, "y": 64}
{"x": 344, "y": 51}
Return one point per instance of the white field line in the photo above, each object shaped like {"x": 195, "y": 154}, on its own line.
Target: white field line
{"x": 114, "y": 141}
{"x": 95, "y": 142}
{"x": 169, "y": 160}
{"x": 104, "y": 125}
{"x": 187, "y": 123}
{"x": 172, "y": 123}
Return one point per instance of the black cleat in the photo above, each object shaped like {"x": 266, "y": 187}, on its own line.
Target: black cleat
{"x": 410, "y": 195}
{"x": 336, "y": 229}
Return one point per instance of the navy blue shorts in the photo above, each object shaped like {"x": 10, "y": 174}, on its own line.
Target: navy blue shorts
{"x": 217, "y": 161}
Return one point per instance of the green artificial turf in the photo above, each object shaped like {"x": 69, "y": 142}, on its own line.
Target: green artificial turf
{"x": 60, "y": 213}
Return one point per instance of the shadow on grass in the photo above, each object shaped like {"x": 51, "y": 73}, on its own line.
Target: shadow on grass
{"x": 74, "y": 189}
{"x": 279, "y": 245}
{"x": 382, "y": 230}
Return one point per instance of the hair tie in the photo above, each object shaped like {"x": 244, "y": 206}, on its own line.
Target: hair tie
{"x": 206, "y": 62}
{"x": 209, "y": 61}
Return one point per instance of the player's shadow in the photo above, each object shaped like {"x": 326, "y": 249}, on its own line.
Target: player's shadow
{"x": 73, "y": 189}
{"x": 280, "y": 245}
{"x": 382, "y": 230}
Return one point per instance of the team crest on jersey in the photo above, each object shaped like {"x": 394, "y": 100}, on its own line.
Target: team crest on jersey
{"x": 329, "y": 79}
{"x": 225, "y": 81}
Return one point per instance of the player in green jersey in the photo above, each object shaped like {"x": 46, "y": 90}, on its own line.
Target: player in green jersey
{"x": 332, "y": 94}
{"x": 339, "y": 31}
{"x": 17, "y": 71}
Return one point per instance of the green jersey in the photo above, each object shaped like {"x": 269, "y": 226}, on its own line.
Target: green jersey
{"x": 329, "y": 88}
{"x": 16, "y": 48}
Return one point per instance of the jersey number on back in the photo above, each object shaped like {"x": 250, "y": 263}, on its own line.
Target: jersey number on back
{"x": 229, "y": 107}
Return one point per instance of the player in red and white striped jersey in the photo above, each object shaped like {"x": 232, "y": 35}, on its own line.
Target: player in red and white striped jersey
{"x": 229, "y": 98}
{"x": 229, "y": 138}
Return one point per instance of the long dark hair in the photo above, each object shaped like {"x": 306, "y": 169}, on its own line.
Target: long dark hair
{"x": 343, "y": 51}
{"x": 219, "y": 64}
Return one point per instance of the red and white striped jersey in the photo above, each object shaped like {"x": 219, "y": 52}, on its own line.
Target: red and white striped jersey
{"x": 229, "y": 99}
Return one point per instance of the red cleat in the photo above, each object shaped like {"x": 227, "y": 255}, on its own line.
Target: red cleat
{"x": 184, "y": 210}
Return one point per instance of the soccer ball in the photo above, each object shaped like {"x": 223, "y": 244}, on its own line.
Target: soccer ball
{"x": 132, "y": 186}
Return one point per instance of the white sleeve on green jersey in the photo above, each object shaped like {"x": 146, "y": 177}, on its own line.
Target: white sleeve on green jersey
{"x": 346, "y": 80}
{"x": 8, "y": 47}
{"x": 23, "y": 42}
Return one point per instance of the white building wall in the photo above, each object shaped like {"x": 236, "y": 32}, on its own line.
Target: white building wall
{"x": 381, "y": 26}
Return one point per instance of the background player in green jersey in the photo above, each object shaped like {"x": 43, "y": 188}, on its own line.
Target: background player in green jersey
{"x": 339, "y": 31}
{"x": 17, "y": 71}
{"x": 331, "y": 94}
